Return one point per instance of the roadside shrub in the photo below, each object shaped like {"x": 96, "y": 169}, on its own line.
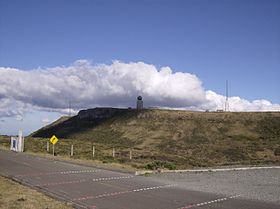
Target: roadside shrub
{"x": 160, "y": 165}
{"x": 234, "y": 154}
{"x": 277, "y": 151}
{"x": 108, "y": 159}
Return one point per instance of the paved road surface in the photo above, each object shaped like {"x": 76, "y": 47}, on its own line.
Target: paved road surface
{"x": 90, "y": 187}
{"x": 259, "y": 184}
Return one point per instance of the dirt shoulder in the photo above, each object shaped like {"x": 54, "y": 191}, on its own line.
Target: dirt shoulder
{"x": 16, "y": 196}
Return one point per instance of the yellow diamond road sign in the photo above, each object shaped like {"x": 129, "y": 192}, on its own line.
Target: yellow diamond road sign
{"x": 53, "y": 139}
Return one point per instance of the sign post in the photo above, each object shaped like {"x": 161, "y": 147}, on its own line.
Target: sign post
{"x": 53, "y": 140}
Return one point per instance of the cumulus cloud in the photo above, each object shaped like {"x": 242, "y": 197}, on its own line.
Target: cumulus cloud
{"x": 11, "y": 107}
{"x": 237, "y": 104}
{"x": 118, "y": 84}
{"x": 47, "y": 121}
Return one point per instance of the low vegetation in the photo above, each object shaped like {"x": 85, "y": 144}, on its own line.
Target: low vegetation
{"x": 167, "y": 139}
{"x": 16, "y": 196}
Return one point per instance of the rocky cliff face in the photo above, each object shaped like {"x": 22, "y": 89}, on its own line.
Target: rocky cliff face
{"x": 99, "y": 113}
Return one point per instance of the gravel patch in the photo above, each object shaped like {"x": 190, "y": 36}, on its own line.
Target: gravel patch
{"x": 263, "y": 184}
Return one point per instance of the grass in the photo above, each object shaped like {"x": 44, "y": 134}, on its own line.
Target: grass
{"x": 167, "y": 139}
{"x": 82, "y": 152}
{"x": 16, "y": 196}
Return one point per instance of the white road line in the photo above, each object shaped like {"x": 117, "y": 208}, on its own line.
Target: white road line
{"x": 141, "y": 172}
{"x": 56, "y": 173}
{"x": 120, "y": 193}
{"x": 85, "y": 180}
{"x": 209, "y": 202}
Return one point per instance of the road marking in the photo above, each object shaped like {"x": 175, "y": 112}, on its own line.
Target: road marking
{"x": 209, "y": 202}
{"x": 142, "y": 172}
{"x": 86, "y": 180}
{"x": 121, "y": 192}
{"x": 222, "y": 169}
{"x": 57, "y": 173}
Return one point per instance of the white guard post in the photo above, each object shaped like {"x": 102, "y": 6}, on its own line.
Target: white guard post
{"x": 17, "y": 143}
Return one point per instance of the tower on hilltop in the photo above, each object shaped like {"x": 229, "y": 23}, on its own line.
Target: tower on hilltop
{"x": 139, "y": 104}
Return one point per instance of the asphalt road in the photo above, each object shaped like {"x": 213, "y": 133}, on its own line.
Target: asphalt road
{"x": 91, "y": 187}
{"x": 258, "y": 184}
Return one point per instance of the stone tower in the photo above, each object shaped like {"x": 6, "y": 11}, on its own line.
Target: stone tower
{"x": 139, "y": 104}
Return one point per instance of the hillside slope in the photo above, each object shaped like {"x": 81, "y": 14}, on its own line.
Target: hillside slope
{"x": 182, "y": 137}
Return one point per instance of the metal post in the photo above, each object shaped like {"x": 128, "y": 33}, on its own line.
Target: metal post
{"x": 48, "y": 146}
{"x": 53, "y": 149}
{"x": 93, "y": 151}
{"x": 114, "y": 153}
{"x": 72, "y": 150}
{"x": 130, "y": 154}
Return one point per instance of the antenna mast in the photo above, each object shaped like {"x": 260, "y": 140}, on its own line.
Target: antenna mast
{"x": 226, "y": 103}
{"x": 70, "y": 108}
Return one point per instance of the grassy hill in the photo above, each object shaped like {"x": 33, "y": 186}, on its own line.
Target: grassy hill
{"x": 177, "y": 139}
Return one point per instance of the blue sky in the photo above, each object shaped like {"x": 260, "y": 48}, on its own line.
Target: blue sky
{"x": 217, "y": 40}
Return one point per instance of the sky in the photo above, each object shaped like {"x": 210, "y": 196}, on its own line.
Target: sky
{"x": 175, "y": 53}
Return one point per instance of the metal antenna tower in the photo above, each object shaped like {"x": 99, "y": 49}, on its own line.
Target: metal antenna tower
{"x": 69, "y": 108}
{"x": 227, "y": 102}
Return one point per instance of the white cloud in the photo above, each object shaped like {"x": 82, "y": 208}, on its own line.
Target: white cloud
{"x": 237, "y": 104}
{"x": 117, "y": 84}
{"x": 47, "y": 121}
{"x": 11, "y": 107}
{"x": 19, "y": 117}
